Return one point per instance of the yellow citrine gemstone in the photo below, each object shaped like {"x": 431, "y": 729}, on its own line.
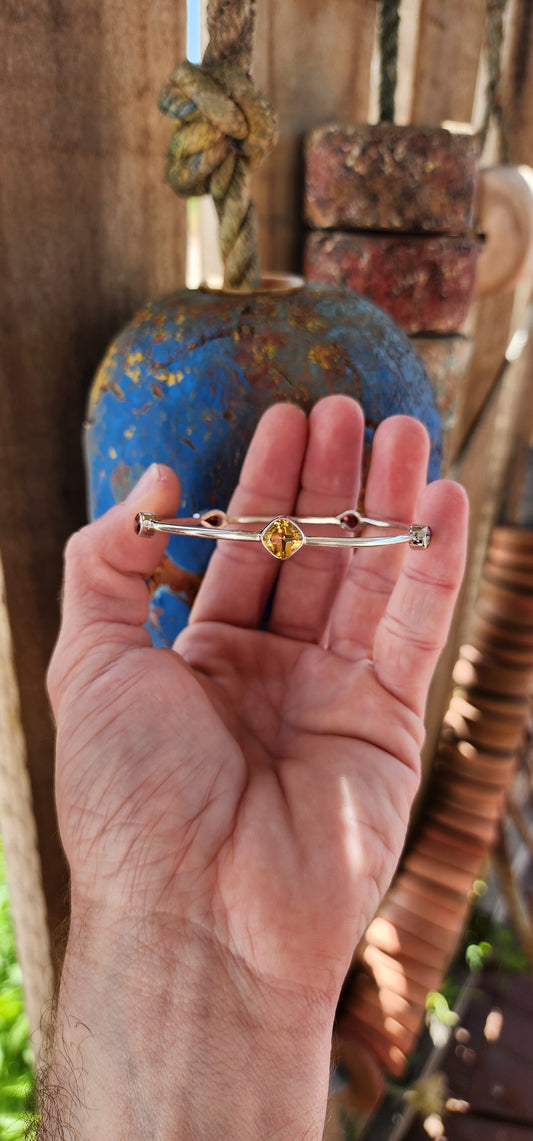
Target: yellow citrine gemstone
{"x": 282, "y": 538}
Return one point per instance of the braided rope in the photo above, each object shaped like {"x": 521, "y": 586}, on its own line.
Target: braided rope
{"x": 230, "y": 25}
{"x": 19, "y": 839}
{"x": 493, "y": 96}
{"x": 223, "y": 128}
{"x": 388, "y": 40}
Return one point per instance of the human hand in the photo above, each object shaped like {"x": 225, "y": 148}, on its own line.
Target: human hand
{"x": 250, "y": 792}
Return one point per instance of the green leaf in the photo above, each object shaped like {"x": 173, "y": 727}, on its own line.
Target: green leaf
{"x": 437, "y": 1004}
{"x": 16, "y": 1074}
{"x": 12, "y": 1128}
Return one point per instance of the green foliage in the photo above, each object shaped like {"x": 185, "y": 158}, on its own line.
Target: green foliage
{"x": 438, "y": 1005}
{"x": 16, "y": 1058}
{"x": 489, "y": 945}
{"x": 486, "y": 945}
{"x": 477, "y": 955}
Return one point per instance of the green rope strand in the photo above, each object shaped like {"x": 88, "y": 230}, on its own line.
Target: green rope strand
{"x": 493, "y": 97}
{"x": 388, "y": 42}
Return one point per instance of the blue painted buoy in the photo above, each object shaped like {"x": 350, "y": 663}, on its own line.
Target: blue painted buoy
{"x": 186, "y": 382}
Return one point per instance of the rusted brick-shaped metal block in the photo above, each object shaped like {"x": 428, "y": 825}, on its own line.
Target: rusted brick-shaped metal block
{"x": 424, "y": 283}
{"x": 388, "y": 177}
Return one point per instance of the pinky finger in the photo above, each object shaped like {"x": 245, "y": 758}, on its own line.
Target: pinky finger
{"x": 415, "y": 625}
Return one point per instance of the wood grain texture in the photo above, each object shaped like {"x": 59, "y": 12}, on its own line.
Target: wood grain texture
{"x": 19, "y": 842}
{"x": 449, "y": 47}
{"x": 312, "y": 60}
{"x": 518, "y": 85}
{"x": 492, "y": 328}
{"x": 87, "y": 231}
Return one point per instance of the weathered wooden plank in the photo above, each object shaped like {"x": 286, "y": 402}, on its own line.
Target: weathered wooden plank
{"x": 491, "y": 323}
{"x": 518, "y": 85}
{"x": 19, "y": 842}
{"x": 87, "y": 230}
{"x": 313, "y": 61}
{"x": 449, "y": 47}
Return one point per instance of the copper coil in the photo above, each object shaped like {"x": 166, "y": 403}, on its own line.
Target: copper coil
{"x": 400, "y": 969}
{"x": 472, "y": 763}
{"x": 423, "y": 891}
{"x": 518, "y": 539}
{"x": 485, "y": 672}
{"x": 509, "y": 576}
{"x": 501, "y": 637}
{"x": 462, "y": 822}
{"x": 434, "y": 868}
{"x": 390, "y": 1003}
{"x": 393, "y": 1060}
{"x": 426, "y": 928}
{"x": 400, "y": 974}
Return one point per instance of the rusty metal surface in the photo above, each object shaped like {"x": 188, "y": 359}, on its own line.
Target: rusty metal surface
{"x": 390, "y": 177}
{"x": 426, "y": 284}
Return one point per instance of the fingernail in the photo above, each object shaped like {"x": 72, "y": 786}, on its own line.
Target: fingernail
{"x": 148, "y": 480}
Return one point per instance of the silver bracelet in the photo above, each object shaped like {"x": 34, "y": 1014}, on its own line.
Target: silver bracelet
{"x": 282, "y": 536}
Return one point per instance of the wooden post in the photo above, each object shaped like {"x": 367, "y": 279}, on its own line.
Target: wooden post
{"x": 312, "y": 60}
{"x": 518, "y": 103}
{"x": 19, "y": 841}
{"x": 449, "y": 47}
{"x": 87, "y": 231}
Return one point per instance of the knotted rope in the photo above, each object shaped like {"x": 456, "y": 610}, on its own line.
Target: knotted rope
{"x": 224, "y": 128}
{"x": 388, "y": 44}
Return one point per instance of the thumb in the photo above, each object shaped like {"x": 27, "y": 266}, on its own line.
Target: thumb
{"x": 105, "y": 595}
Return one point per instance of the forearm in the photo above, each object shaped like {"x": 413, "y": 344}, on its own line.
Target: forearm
{"x": 160, "y": 1036}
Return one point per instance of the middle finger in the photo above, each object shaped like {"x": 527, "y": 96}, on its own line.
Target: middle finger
{"x": 329, "y": 484}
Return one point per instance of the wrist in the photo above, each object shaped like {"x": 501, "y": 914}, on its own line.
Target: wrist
{"x": 160, "y": 1033}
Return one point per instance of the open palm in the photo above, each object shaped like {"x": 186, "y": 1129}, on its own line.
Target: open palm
{"x": 256, "y": 784}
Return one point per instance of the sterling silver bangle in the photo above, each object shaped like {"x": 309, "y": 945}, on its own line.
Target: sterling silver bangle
{"x": 282, "y": 536}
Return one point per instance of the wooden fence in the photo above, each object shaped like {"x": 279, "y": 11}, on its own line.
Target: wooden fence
{"x": 88, "y": 230}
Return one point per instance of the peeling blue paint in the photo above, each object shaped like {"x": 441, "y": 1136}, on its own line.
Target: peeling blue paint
{"x": 186, "y": 382}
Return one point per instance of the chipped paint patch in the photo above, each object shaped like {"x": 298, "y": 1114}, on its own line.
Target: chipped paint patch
{"x": 264, "y": 351}
{"x": 133, "y": 358}
{"x": 104, "y": 378}
{"x": 325, "y": 356}
{"x": 133, "y": 374}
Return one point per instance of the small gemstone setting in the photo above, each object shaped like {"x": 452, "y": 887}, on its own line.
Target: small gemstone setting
{"x": 282, "y": 538}
{"x": 350, "y": 520}
{"x": 419, "y": 536}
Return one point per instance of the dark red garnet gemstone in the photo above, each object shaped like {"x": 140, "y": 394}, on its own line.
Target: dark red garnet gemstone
{"x": 351, "y": 520}
{"x": 215, "y": 520}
